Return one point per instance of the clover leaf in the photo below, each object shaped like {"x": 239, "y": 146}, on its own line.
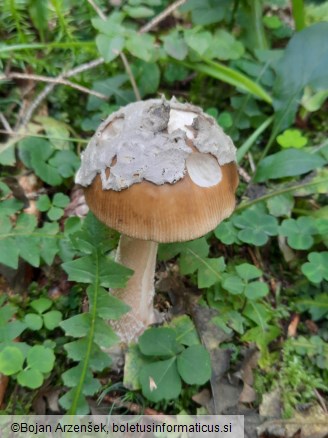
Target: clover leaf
{"x": 299, "y": 232}
{"x": 227, "y": 233}
{"x": 50, "y": 319}
{"x": 292, "y": 138}
{"x": 39, "y": 361}
{"x": 255, "y": 227}
{"x": 316, "y": 269}
{"x": 55, "y": 208}
{"x": 240, "y": 283}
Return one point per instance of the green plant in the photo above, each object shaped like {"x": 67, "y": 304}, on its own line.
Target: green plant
{"x": 95, "y": 268}
{"x": 39, "y": 362}
{"x": 164, "y": 358}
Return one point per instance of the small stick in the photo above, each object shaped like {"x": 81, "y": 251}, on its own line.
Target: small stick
{"x": 131, "y": 77}
{"x": 5, "y": 123}
{"x": 95, "y": 63}
{"x": 57, "y": 80}
{"x": 97, "y": 9}
{"x": 160, "y": 17}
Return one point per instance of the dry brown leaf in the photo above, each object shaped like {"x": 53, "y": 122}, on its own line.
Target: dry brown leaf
{"x": 271, "y": 404}
{"x": 292, "y": 328}
{"x": 312, "y": 424}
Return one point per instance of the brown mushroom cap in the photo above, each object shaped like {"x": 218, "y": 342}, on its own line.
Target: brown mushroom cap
{"x": 160, "y": 170}
{"x": 165, "y": 213}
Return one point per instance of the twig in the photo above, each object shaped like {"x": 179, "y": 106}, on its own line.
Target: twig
{"x": 83, "y": 67}
{"x": 121, "y": 54}
{"x": 48, "y": 89}
{"x": 36, "y": 102}
{"x": 5, "y": 123}
{"x": 321, "y": 400}
{"x": 57, "y": 80}
{"x": 160, "y": 17}
{"x": 95, "y": 63}
{"x": 131, "y": 77}
{"x": 97, "y": 9}
{"x": 244, "y": 175}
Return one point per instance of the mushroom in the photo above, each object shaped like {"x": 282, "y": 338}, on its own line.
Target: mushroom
{"x": 156, "y": 171}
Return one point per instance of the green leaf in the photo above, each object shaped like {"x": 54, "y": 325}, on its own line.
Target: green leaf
{"x": 233, "y": 284}
{"x": 66, "y": 162}
{"x": 292, "y": 138}
{"x": 318, "y": 306}
{"x": 134, "y": 363}
{"x": 71, "y": 379}
{"x": 55, "y": 213}
{"x": 98, "y": 358}
{"x": 111, "y": 26}
{"x": 25, "y": 223}
{"x": 205, "y": 11}
{"x": 248, "y": 272}
{"x": 316, "y": 270}
{"x": 11, "y": 330}
{"x": 299, "y": 232}
{"x": 11, "y": 360}
{"x": 108, "y": 306}
{"x": 262, "y": 336}
{"x": 198, "y": 41}
{"x": 305, "y": 62}
{"x": 48, "y": 244}
{"x": 41, "y": 358}
{"x": 109, "y": 47}
{"x": 77, "y": 326}
{"x": 104, "y": 335}
{"x": 33, "y": 321}
{"x": 60, "y": 200}
{"x": 160, "y": 380}
{"x": 230, "y": 76}
{"x": 175, "y": 45}
{"x": 29, "y": 249}
{"x": 194, "y": 365}
{"x": 227, "y": 233}
{"x": 256, "y": 290}
{"x": 170, "y": 250}
{"x": 281, "y": 205}
{"x": 84, "y": 270}
{"x": 185, "y": 330}
{"x": 72, "y": 396}
{"x": 9, "y": 253}
{"x": 209, "y": 272}
{"x": 291, "y": 162}
{"x": 52, "y": 319}
{"x": 224, "y": 46}
{"x": 56, "y": 130}
{"x": 256, "y": 226}
{"x": 142, "y": 46}
{"x": 138, "y": 12}
{"x": 6, "y": 313}
{"x": 43, "y": 203}
{"x": 257, "y": 313}
{"x": 30, "y": 378}
{"x": 110, "y": 87}
{"x": 41, "y": 304}
{"x": 235, "y": 320}
{"x": 159, "y": 342}
{"x": 147, "y": 75}
{"x": 35, "y": 152}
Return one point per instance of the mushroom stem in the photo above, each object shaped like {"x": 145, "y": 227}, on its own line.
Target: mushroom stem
{"x": 140, "y": 256}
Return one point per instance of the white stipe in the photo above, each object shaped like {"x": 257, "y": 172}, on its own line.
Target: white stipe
{"x": 203, "y": 169}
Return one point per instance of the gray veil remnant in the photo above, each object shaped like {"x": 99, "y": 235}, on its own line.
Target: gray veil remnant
{"x": 157, "y": 171}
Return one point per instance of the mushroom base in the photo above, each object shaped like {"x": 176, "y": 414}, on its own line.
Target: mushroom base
{"x": 140, "y": 256}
